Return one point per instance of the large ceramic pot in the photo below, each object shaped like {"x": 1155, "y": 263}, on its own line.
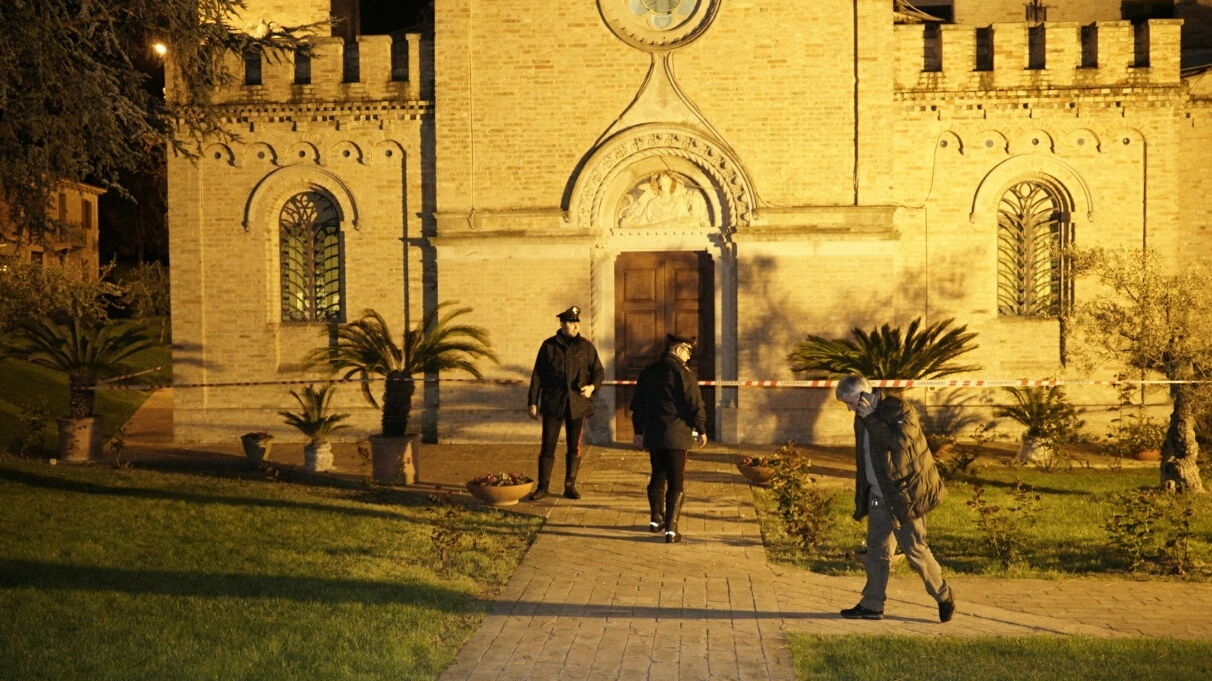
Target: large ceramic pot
{"x": 317, "y": 457}
{"x": 1034, "y": 450}
{"x": 80, "y": 439}
{"x": 500, "y": 495}
{"x": 257, "y": 447}
{"x": 394, "y": 459}
{"x": 757, "y": 475}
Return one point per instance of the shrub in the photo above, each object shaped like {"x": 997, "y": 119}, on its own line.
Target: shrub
{"x": 60, "y": 293}
{"x": 1151, "y": 530}
{"x": 1004, "y": 526}
{"x": 1135, "y": 433}
{"x": 802, "y": 505}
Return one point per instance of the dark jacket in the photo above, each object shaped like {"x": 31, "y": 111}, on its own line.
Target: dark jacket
{"x": 667, "y": 405}
{"x": 564, "y": 366}
{"x": 901, "y": 460}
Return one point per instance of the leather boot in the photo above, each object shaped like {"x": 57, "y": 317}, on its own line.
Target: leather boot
{"x": 672, "y": 536}
{"x": 545, "y": 466}
{"x": 570, "y": 478}
{"x": 656, "y": 508}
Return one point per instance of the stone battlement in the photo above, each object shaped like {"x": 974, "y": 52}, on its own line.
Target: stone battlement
{"x": 1015, "y": 56}
{"x": 375, "y": 68}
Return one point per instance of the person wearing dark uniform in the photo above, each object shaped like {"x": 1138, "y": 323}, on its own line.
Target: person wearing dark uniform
{"x": 567, "y": 372}
{"x": 669, "y": 417}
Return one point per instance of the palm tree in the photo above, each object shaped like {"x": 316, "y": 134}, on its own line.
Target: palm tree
{"x": 884, "y": 354}
{"x": 86, "y": 352}
{"x": 365, "y": 348}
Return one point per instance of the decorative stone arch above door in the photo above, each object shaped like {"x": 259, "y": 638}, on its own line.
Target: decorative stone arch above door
{"x": 654, "y": 164}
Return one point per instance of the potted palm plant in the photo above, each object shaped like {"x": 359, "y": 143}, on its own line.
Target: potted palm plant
{"x": 86, "y": 352}
{"x": 317, "y": 424}
{"x": 366, "y": 348}
{"x": 1049, "y": 418}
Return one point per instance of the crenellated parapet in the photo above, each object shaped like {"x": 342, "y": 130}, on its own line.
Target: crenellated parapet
{"x": 374, "y": 68}
{"x": 1016, "y": 56}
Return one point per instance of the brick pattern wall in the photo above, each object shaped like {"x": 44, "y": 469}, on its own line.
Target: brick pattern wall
{"x": 864, "y": 216}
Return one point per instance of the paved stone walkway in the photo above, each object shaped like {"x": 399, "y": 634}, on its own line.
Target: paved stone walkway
{"x": 598, "y": 597}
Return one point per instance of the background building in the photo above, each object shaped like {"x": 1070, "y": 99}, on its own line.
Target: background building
{"x": 745, "y": 172}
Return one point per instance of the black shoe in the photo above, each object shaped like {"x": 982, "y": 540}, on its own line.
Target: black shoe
{"x": 946, "y": 609}
{"x": 673, "y": 537}
{"x": 654, "y": 527}
{"x": 858, "y": 612}
{"x": 539, "y": 493}
{"x": 570, "y": 492}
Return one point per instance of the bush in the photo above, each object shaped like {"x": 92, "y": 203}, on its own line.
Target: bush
{"x": 1135, "y": 433}
{"x": 1151, "y": 530}
{"x": 1004, "y": 526}
{"x": 802, "y": 505}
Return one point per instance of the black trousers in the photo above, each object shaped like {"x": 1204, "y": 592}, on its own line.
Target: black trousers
{"x": 668, "y": 467}
{"x": 551, "y": 437}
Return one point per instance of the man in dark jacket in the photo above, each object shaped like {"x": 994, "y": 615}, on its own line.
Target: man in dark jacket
{"x": 669, "y": 417}
{"x": 895, "y": 486}
{"x": 566, "y": 374}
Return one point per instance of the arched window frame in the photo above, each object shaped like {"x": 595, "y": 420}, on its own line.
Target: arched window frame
{"x": 1034, "y": 232}
{"x": 312, "y": 259}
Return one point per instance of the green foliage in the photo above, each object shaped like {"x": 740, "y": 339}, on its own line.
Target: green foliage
{"x": 802, "y": 504}
{"x": 313, "y": 420}
{"x": 1151, "y": 530}
{"x": 884, "y": 354}
{"x": 1158, "y": 319}
{"x": 366, "y": 349}
{"x": 36, "y": 419}
{"x": 1044, "y": 410}
{"x": 1135, "y": 433}
{"x": 145, "y": 290}
{"x": 74, "y": 95}
{"x": 53, "y": 291}
{"x": 1004, "y": 526}
{"x": 85, "y": 352}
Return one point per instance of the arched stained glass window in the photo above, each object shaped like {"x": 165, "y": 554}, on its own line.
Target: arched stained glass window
{"x": 310, "y": 244}
{"x": 1034, "y": 277}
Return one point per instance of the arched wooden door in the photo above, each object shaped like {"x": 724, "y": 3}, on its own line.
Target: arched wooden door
{"x": 658, "y": 293}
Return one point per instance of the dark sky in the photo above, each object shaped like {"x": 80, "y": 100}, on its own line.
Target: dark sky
{"x": 385, "y": 16}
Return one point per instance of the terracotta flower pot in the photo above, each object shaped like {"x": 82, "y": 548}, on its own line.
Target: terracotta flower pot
{"x": 1149, "y": 455}
{"x": 500, "y": 495}
{"x": 757, "y": 475}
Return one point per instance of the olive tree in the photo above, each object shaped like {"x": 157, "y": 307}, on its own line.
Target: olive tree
{"x": 1157, "y": 319}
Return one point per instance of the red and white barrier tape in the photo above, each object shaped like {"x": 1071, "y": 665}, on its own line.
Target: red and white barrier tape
{"x": 822, "y": 383}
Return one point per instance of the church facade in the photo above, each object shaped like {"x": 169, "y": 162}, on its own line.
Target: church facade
{"x": 744, "y": 172}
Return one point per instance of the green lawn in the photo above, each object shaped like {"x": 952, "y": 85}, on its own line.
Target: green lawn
{"x": 1068, "y": 538}
{"x": 136, "y": 574}
{"x": 878, "y": 658}
{"x": 24, "y": 385}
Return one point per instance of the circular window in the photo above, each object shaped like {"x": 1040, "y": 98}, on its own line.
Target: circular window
{"x": 653, "y": 25}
